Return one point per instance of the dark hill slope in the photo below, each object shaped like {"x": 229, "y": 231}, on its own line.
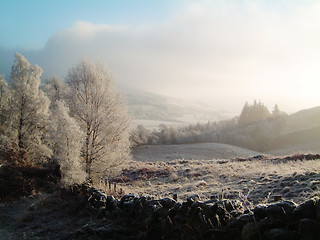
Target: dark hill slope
{"x": 301, "y": 133}
{"x": 304, "y": 119}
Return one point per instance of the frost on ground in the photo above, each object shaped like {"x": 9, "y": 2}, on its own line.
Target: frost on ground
{"x": 205, "y": 151}
{"x": 258, "y": 179}
{"x": 45, "y": 216}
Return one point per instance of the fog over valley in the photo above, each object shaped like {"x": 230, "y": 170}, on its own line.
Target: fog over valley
{"x": 162, "y": 119}
{"x": 203, "y": 51}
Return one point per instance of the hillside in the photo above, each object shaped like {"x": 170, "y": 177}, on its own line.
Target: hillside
{"x": 295, "y": 133}
{"x": 300, "y": 134}
{"x": 304, "y": 119}
{"x": 151, "y": 109}
{"x": 307, "y": 140}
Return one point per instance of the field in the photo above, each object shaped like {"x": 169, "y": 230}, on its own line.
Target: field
{"x": 222, "y": 171}
{"x": 234, "y": 173}
{"x": 200, "y": 151}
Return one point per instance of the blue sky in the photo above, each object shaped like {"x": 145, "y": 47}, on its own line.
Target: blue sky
{"x": 29, "y": 23}
{"x": 222, "y": 52}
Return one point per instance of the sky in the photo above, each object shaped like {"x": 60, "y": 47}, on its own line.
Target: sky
{"x": 221, "y": 52}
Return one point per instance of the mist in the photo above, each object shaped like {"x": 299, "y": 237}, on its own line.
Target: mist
{"x": 167, "y": 119}
{"x": 206, "y": 51}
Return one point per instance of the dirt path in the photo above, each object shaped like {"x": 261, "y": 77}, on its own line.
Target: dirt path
{"x": 44, "y": 216}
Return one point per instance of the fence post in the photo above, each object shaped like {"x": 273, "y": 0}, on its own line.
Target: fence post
{"x": 175, "y": 197}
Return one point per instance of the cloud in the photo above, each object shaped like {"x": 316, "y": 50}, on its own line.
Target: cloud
{"x": 226, "y": 52}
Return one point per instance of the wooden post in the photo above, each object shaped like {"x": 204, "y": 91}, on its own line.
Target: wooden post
{"x": 175, "y": 197}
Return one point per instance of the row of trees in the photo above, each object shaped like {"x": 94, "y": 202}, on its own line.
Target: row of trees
{"x": 82, "y": 125}
{"x": 256, "y": 128}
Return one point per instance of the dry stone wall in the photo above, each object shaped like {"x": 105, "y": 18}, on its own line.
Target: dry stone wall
{"x": 144, "y": 217}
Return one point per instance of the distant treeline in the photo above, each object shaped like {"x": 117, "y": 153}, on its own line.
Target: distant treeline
{"x": 256, "y": 128}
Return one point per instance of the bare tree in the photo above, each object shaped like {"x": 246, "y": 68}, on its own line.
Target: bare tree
{"x": 29, "y": 107}
{"x": 102, "y": 116}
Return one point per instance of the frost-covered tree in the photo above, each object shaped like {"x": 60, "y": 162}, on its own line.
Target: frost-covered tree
{"x": 55, "y": 89}
{"x": 29, "y": 107}
{"x": 66, "y": 138}
{"x": 65, "y": 134}
{"x": 3, "y": 92}
{"x": 4, "y": 98}
{"x": 102, "y": 116}
{"x": 4, "y": 109}
{"x": 140, "y": 136}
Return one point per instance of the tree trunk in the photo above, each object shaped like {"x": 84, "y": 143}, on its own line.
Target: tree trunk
{"x": 20, "y": 135}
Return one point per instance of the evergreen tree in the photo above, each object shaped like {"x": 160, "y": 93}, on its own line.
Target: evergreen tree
{"x": 276, "y": 111}
{"x": 244, "y": 116}
{"x": 253, "y": 113}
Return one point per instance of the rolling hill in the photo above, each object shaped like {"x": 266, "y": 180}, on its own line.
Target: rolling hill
{"x": 300, "y": 134}
{"x": 151, "y": 109}
{"x": 303, "y": 120}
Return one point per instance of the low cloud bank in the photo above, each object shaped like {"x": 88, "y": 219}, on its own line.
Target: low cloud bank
{"x": 221, "y": 53}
